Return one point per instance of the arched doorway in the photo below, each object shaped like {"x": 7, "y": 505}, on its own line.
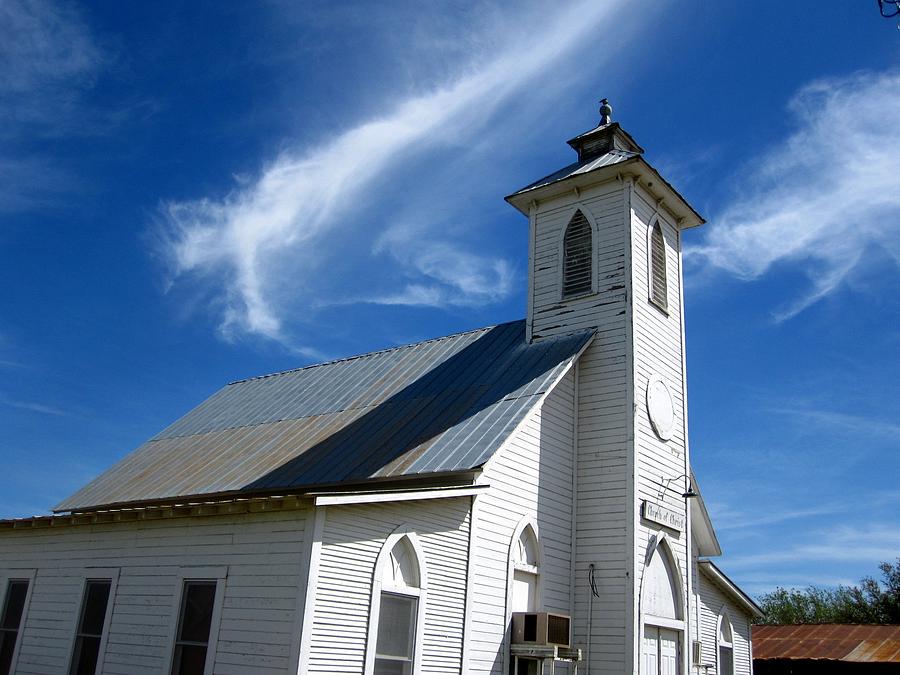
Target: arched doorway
{"x": 662, "y": 615}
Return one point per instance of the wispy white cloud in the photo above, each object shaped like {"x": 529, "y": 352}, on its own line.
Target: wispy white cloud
{"x": 458, "y": 277}
{"x": 30, "y": 406}
{"x": 48, "y": 59}
{"x": 859, "y": 425}
{"x": 870, "y": 544}
{"x": 825, "y": 198}
{"x": 742, "y": 519}
{"x": 45, "y": 51}
{"x": 295, "y": 203}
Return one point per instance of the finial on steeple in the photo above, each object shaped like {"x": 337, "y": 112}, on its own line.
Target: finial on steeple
{"x": 605, "y": 111}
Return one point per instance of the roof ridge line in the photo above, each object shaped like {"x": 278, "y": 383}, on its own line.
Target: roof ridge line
{"x": 372, "y": 353}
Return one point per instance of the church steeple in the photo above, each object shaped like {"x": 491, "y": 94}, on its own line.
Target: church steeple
{"x": 605, "y": 255}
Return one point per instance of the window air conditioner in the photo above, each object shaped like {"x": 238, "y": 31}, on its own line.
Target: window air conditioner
{"x": 541, "y": 628}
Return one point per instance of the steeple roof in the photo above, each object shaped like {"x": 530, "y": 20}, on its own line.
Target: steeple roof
{"x": 605, "y": 151}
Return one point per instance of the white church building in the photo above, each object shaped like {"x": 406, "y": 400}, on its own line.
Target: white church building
{"x": 512, "y": 500}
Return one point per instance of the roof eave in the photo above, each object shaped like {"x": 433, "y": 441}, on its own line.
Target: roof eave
{"x": 708, "y": 567}
{"x": 434, "y": 479}
{"x": 685, "y": 215}
{"x": 709, "y": 546}
{"x": 522, "y": 199}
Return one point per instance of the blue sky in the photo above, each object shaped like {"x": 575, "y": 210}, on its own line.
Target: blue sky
{"x": 192, "y": 193}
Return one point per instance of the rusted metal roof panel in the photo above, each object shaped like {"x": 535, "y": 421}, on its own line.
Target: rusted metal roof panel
{"x": 438, "y": 406}
{"x": 838, "y": 642}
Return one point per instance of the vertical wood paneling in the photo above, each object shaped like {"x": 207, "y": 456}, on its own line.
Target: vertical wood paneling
{"x": 261, "y": 552}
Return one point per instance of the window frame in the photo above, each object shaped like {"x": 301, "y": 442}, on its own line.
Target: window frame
{"x": 379, "y": 587}
{"x": 561, "y": 258}
{"x": 655, "y": 222}
{"x": 29, "y": 575}
{"x": 219, "y": 575}
{"x": 513, "y": 565}
{"x": 110, "y": 574}
{"x": 722, "y": 618}
{"x": 516, "y": 565}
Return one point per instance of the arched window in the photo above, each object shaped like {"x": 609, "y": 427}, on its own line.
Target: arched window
{"x": 526, "y": 572}
{"x": 396, "y": 622}
{"x": 658, "y": 287}
{"x": 577, "y": 272}
{"x": 726, "y": 646}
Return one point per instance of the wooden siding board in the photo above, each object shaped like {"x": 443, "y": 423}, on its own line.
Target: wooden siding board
{"x": 260, "y": 589}
{"x": 711, "y": 602}
{"x": 530, "y": 477}
{"x": 353, "y": 536}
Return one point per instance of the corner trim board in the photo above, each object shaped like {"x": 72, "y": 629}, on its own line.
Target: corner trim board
{"x": 312, "y": 574}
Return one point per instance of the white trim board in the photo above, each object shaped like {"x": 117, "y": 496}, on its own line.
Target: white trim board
{"x": 335, "y": 499}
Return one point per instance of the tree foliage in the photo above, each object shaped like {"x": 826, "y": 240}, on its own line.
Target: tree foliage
{"x": 872, "y": 601}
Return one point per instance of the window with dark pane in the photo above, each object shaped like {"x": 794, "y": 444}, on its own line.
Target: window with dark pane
{"x": 11, "y": 620}
{"x": 86, "y": 653}
{"x": 396, "y": 635}
{"x": 658, "y": 289}
{"x": 577, "y": 272}
{"x": 194, "y": 622}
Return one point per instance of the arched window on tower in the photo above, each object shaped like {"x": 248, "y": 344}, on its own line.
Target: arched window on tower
{"x": 658, "y": 287}
{"x": 526, "y": 572}
{"x": 577, "y": 272}
{"x": 726, "y": 646}
{"x": 396, "y": 611}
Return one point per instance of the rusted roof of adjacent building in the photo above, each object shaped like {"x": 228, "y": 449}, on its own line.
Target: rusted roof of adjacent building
{"x": 438, "y": 407}
{"x": 837, "y": 642}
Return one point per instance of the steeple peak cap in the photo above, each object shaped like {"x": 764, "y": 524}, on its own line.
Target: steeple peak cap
{"x": 606, "y": 136}
{"x": 602, "y": 139}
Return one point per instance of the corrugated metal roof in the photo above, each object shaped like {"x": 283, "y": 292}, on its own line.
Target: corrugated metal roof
{"x": 836, "y": 642}
{"x": 443, "y": 405}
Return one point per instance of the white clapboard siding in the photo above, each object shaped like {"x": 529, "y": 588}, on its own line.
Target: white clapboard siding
{"x": 262, "y": 553}
{"x": 658, "y": 349}
{"x": 620, "y": 460}
{"x": 352, "y": 538}
{"x": 712, "y": 601}
{"x": 604, "y": 420}
{"x": 530, "y": 477}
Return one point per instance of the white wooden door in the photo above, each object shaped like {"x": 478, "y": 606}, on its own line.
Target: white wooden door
{"x": 650, "y": 651}
{"x": 659, "y": 651}
{"x": 668, "y": 652}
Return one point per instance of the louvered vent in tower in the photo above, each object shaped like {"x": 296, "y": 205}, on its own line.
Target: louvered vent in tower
{"x": 577, "y": 256}
{"x": 658, "y": 292}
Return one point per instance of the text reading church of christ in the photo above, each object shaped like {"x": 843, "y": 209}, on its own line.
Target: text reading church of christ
{"x": 512, "y": 500}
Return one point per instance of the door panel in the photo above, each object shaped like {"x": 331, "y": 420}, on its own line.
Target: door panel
{"x": 668, "y": 652}
{"x": 650, "y": 651}
{"x": 659, "y": 651}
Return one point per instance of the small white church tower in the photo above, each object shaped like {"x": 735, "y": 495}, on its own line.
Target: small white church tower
{"x": 605, "y": 254}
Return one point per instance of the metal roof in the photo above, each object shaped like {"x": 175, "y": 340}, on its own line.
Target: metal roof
{"x": 836, "y": 642}
{"x": 444, "y": 405}
{"x": 610, "y": 158}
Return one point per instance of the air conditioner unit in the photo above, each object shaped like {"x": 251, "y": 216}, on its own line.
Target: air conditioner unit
{"x": 541, "y": 628}
{"x": 697, "y": 653}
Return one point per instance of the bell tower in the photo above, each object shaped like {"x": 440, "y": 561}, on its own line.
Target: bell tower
{"x": 605, "y": 254}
